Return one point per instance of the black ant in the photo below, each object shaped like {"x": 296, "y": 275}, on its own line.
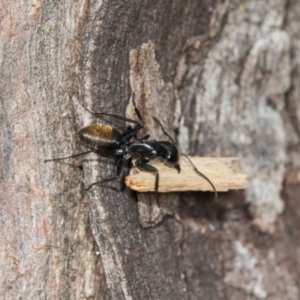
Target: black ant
{"x": 107, "y": 141}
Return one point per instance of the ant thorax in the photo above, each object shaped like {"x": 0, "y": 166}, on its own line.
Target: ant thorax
{"x": 119, "y": 152}
{"x": 123, "y": 151}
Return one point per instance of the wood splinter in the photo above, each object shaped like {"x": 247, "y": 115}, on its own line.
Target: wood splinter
{"x": 224, "y": 173}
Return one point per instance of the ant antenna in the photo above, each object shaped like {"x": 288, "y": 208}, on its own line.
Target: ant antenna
{"x": 162, "y": 127}
{"x": 195, "y": 168}
{"x": 201, "y": 174}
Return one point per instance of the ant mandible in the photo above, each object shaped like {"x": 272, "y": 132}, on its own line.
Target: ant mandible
{"x": 107, "y": 141}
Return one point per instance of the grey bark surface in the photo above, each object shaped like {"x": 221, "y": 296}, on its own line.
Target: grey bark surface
{"x": 222, "y": 76}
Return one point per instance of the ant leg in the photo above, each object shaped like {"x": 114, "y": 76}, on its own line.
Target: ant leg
{"x": 128, "y": 134}
{"x": 72, "y": 156}
{"x": 119, "y": 171}
{"x": 142, "y": 164}
{"x": 127, "y": 165}
{"x": 116, "y": 117}
{"x": 139, "y": 125}
{"x": 136, "y": 109}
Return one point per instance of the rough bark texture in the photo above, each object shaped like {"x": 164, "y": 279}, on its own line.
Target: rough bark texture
{"x": 229, "y": 68}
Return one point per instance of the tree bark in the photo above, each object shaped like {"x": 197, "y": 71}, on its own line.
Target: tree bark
{"x": 223, "y": 78}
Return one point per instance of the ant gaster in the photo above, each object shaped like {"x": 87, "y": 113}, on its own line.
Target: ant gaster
{"x": 107, "y": 141}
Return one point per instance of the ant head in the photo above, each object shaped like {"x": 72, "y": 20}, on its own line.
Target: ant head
{"x": 170, "y": 155}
